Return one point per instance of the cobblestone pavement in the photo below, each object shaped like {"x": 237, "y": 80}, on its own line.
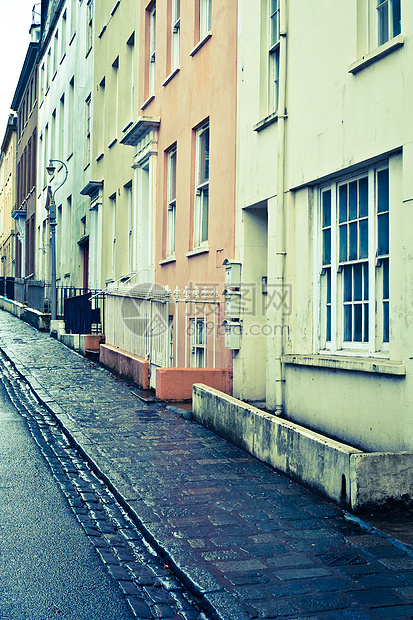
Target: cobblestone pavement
{"x": 246, "y": 540}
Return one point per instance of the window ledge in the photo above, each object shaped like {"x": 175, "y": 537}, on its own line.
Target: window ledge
{"x": 117, "y": 3}
{"x": 112, "y": 143}
{"x": 170, "y": 76}
{"x": 147, "y": 102}
{"x": 382, "y": 51}
{"x": 200, "y": 44}
{"x": 201, "y": 250}
{"x": 99, "y": 157}
{"x": 71, "y": 38}
{"x": 265, "y": 122}
{"x": 127, "y": 126}
{"x": 102, "y": 30}
{"x": 337, "y": 362}
{"x": 165, "y": 261}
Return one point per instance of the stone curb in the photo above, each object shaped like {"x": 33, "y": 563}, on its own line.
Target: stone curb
{"x": 215, "y": 601}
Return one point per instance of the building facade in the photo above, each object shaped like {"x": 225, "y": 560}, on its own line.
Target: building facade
{"x": 8, "y": 198}
{"x": 25, "y": 103}
{"x": 332, "y": 227}
{"x": 64, "y": 135}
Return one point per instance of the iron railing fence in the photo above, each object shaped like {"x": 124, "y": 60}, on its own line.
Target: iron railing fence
{"x": 84, "y": 313}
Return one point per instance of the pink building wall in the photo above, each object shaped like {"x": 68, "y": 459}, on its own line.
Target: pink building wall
{"x": 203, "y": 88}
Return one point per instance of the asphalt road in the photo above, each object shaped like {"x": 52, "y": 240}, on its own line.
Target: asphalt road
{"x": 48, "y": 567}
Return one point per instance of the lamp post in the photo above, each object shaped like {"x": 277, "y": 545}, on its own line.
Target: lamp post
{"x": 52, "y": 218}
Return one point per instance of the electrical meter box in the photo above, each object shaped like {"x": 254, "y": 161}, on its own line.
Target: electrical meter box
{"x": 232, "y": 273}
{"x": 232, "y": 334}
{"x": 232, "y": 304}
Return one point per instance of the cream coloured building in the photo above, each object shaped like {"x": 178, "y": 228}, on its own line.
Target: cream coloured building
{"x": 65, "y": 134}
{"x": 113, "y": 228}
{"x": 324, "y": 194}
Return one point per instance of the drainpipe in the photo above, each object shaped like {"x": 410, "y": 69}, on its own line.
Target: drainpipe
{"x": 280, "y": 211}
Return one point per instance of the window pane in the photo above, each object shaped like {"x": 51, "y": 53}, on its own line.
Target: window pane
{"x": 386, "y": 279}
{"x": 366, "y": 280}
{"x": 347, "y": 322}
{"x": 342, "y": 199}
{"x": 396, "y": 18}
{"x": 366, "y": 322}
{"x": 343, "y": 243}
{"x": 328, "y": 276}
{"x": 383, "y": 22}
{"x": 327, "y": 246}
{"x": 383, "y": 234}
{"x": 382, "y": 191}
{"x": 358, "y": 282}
{"x": 386, "y": 322}
{"x": 204, "y": 156}
{"x": 363, "y": 239}
{"x": 363, "y": 197}
{"x": 327, "y": 208}
{"x": 353, "y": 241}
{"x": 204, "y": 215}
{"x": 328, "y": 324}
{"x": 358, "y": 322}
{"x": 348, "y": 281}
{"x": 352, "y": 201}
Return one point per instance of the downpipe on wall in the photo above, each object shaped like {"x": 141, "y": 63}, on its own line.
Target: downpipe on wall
{"x": 280, "y": 253}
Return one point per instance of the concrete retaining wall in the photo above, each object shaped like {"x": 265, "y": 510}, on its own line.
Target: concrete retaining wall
{"x": 175, "y": 384}
{"x": 354, "y": 479}
{"x": 35, "y": 318}
{"x": 126, "y": 365}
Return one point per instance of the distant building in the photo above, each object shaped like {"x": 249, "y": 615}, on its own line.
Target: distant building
{"x": 64, "y": 134}
{"x": 25, "y": 103}
{"x": 8, "y": 199}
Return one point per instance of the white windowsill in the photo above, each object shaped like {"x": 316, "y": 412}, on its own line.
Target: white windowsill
{"x": 147, "y": 102}
{"x": 265, "y": 122}
{"x": 170, "y": 76}
{"x": 382, "y": 51}
{"x": 166, "y": 261}
{"x": 202, "y": 250}
{"x": 112, "y": 143}
{"x": 337, "y": 362}
{"x": 200, "y": 44}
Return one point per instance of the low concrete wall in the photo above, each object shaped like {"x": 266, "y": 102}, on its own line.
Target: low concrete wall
{"x": 381, "y": 479}
{"x": 90, "y": 342}
{"x": 175, "y": 384}
{"x": 126, "y": 365}
{"x": 33, "y": 317}
{"x": 354, "y": 479}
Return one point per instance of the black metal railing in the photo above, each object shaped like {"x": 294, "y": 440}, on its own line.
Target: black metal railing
{"x": 84, "y": 313}
{"x": 82, "y": 309}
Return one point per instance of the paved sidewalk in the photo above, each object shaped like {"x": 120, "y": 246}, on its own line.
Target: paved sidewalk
{"x": 252, "y": 543}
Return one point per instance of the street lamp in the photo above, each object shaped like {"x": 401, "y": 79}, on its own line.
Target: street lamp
{"x": 50, "y": 169}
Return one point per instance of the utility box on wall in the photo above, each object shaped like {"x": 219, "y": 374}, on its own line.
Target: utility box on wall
{"x": 232, "y": 304}
{"x": 232, "y": 273}
{"x": 232, "y": 334}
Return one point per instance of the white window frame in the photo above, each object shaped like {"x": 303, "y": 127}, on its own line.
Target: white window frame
{"x": 89, "y": 26}
{"x": 88, "y": 128}
{"x": 205, "y": 11}
{"x": 388, "y": 17}
{"x": 201, "y": 201}
{"x": 274, "y": 54}
{"x": 198, "y": 334}
{"x": 113, "y": 205}
{"x": 171, "y": 205}
{"x": 152, "y": 51}
{"x": 377, "y": 340}
{"x": 175, "y": 34}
